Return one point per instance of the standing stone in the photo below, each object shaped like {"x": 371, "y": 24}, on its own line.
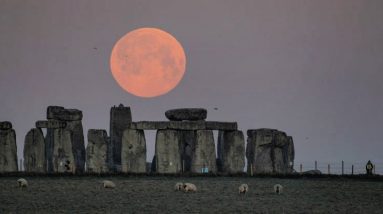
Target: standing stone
{"x": 34, "y": 151}
{"x": 8, "y": 149}
{"x": 231, "y": 151}
{"x": 187, "y": 144}
{"x": 269, "y": 151}
{"x": 78, "y": 145}
{"x": 204, "y": 153}
{"x": 6, "y": 125}
{"x": 96, "y": 151}
{"x": 133, "y": 151}
{"x": 63, "y": 158}
{"x": 168, "y": 157}
{"x": 120, "y": 119}
{"x": 73, "y": 124}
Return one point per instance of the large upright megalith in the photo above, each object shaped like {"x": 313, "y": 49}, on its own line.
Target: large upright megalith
{"x": 96, "y": 151}
{"x": 34, "y": 151}
{"x": 187, "y": 145}
{"x": 133, "y": 151}
{"x": 63, "y": 158}
{"x": 269, "y": 151}
{"x": 204, "y": 158}
{"x": 8, "y": 148}
{"x": 167, "y": 151}
{"x": 120, "y": 119}
{"x": 73, "y": 121}
{"x": 231, "y": 151}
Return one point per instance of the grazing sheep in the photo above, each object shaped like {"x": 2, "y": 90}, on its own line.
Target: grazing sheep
{"x": 22, "y": 182}
{"x": 278, "y": 188}
{"x": 243, "y": 188}
{"x": 108, "y": 184}
{"x": 189, "y": 187}
{"x": 179, "y": 186}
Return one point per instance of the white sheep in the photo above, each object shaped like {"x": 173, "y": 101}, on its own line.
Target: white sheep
{"x": 179, "y": 186}
{"x": 278, "y": 188}
{"x": 108, "y": 184}
{"x": 22, "y": 182}
{"x": 189, "y": 187}
{"x": 243, "y": 188}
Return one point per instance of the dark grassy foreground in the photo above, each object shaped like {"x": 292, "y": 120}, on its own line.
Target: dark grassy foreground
{"x": 148, "y": 194}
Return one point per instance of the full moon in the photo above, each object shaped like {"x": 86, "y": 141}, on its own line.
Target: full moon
{"x": 148, "y": 62}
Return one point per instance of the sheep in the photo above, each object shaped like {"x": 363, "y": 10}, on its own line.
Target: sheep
{"x": 189, "y": 187}
{"x": 179, "y": 186}
{"x": 22, "y": 182}
{"x": 278, "y": 188}
{"x": 108, "y": 184}
{"x": 243, "y": 188}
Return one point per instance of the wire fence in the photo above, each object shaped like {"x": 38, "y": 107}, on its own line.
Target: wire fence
{"x": 339, "y": 168}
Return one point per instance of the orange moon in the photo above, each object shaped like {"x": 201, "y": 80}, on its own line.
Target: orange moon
{"x": 148, "y": 62}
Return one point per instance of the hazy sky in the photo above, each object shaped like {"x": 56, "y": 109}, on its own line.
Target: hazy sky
{"x": 313, "y": 69}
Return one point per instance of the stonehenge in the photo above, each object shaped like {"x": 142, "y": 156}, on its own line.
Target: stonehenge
{"x": 34, "y": 151}
{"x": 133, "y": 151}
{"x": 269, "y": 151}
{"x": 120, "y": 119}
{"x": 186, "y": 114}
{"x": 231, "y": 147}
{"x": 96, "y": 151}
{"x": 8, "y": 148}
{"x": 184, "y": 144}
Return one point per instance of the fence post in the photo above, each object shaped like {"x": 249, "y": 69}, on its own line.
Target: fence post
{"x": 328, "y": 169}
{"x": 301, "y": 168}
{"x": 316, "y": 166}
{"x": 342, "y": 167}
{"x": 352, "y": 169}
{"x": 374, "y": 169}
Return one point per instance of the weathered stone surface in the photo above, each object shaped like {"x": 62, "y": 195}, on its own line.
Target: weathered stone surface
{"x": 213, "y": 125}
{"x": 186, "y": 114}
{"x": 168, "y": 157}
{"x": 231, "y": 151}
{"x": 34, "y": 151}
{"x": 184, "y": 125}
{"x": 63, "y": 158}
{"x": 133, "y": 151}
{"x": 204, "y": 152}
{"x": 187, "y": 144}
{"x": 149, "y": 125}
{"x": 8, "y": 151}
{"x": 78, "y": 145}
{"x": 96, "y": 151}
{"x": 61, "y": 113}
{"x": 5, "y": 125}
{"x": 120, "y": 119}
{"x": 50, "y": 124}
{"x": 269, "y": 151}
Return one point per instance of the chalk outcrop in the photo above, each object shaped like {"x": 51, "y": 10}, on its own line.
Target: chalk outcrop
{"x": 269, "y": 151}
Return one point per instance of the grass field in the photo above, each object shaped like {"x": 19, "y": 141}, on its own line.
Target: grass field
{"x": 77, "y": 194}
